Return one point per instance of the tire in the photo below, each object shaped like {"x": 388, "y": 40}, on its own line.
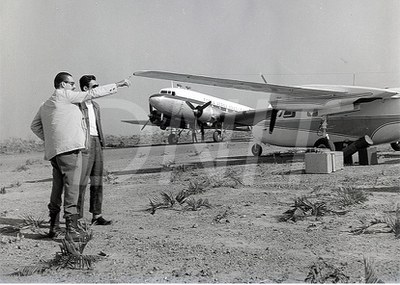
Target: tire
{"x": 256, "y": 150}
{"x": 324, "y": 143}
{"x": 172, "y": 139}
{"x": 217, "y": 137}
{"x": 395, "y": 146}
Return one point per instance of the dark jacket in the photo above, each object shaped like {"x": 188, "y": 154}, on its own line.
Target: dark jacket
{"x": 85, "y": 112}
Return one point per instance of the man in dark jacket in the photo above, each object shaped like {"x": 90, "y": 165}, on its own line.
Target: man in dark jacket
{"x": 92, "y": 157}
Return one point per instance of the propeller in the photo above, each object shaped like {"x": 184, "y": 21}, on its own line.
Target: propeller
{"x": 273, "y": 120}
{"x": 197, "y": 112}
{"x": 150, "y": 115}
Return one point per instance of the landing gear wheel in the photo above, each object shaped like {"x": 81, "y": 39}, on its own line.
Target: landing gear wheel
{"x": 172, "y": 139}
{"x": 217, "y": 137}
{"x": 256, "y": 150}
{"x": 325, "y": 143}
{"x": 395, "y": 146}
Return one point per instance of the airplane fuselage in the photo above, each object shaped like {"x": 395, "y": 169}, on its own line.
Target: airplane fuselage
{"x": 171, "y": 102}
{"x": 379, "y": 119}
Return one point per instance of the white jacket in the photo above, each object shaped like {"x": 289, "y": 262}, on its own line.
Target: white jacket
{"x": 60, "y": 123}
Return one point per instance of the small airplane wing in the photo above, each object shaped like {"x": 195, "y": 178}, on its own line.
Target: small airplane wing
{"x": 335, "y": 98}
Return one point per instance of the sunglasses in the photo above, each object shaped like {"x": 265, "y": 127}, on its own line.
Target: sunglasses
{"x": 96, "y": 85}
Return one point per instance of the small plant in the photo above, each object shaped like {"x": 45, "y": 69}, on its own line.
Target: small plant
{"x": 370, "y": 274}
{"x": 391, "y": 225}
{"x": 34, "y": 224}
{"x": 196, "y": 187}
{"x": 181, "y": 197}
{"x": 347, "y": 196}
{"x": 195, "y": 205}
{"x": 322, "y": 272}
{"x": 168, "y": 201}
{"x": 302, "y": 208}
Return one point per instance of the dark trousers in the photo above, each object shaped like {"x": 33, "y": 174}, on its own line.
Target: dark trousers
{"x": 67, "y": 168}
{"x": 92, "y": 166}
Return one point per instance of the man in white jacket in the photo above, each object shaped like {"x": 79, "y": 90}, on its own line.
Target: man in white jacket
{"x": 59, "y": 122}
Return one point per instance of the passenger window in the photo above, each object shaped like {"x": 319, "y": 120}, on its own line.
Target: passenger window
{"x": 289, "y": 114}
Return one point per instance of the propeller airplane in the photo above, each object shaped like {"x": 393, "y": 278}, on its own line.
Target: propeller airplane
{"x": 331, "y": 116}
{"x": 181, "y": 108}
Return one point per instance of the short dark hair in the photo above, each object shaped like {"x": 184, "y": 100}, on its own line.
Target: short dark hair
{"x": 85, "y": 79}
{"x": 60, "y": 77}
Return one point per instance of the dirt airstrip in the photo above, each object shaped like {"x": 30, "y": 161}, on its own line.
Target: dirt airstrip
{"x": 239, "y": 223}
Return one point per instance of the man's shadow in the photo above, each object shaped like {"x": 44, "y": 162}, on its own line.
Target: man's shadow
{"x": 18, "y": 228}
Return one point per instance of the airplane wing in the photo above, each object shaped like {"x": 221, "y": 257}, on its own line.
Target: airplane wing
{"x": 332, "y": 98}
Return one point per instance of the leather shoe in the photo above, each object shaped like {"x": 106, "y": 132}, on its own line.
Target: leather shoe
{"x": 101, "y": 221}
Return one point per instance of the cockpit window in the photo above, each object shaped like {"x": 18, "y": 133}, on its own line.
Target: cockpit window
{"x": 168, "y": 92}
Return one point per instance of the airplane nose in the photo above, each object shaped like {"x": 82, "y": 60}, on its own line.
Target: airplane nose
{"x": 155, "y": 99}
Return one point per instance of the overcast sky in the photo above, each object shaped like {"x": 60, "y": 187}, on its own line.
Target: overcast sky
{"x": 291, "y": 42}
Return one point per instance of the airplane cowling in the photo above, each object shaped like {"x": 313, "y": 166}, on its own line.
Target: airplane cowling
{"x": 209, "y": 115}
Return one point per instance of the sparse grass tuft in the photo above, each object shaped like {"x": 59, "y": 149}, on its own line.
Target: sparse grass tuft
{"x": 347, "y": 196}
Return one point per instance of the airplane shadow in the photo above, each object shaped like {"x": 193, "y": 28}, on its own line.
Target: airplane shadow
{"x": 222, "y": 162}
{"x": 386, "y": 189}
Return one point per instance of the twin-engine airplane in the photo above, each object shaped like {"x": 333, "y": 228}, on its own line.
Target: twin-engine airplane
{"x": 329, "y": 116}
{"x": 180, "y": 108}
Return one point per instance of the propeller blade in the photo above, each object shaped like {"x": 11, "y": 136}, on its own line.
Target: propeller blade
{"x": 205, "y": 105}
{"x": 190, "y": 105}
{"x": 273, "y": 120}
{"x": 145, "y": 125}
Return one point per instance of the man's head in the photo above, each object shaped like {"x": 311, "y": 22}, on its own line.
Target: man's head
{"x": 64, "y": 80}
{"x": 87, "y": 82}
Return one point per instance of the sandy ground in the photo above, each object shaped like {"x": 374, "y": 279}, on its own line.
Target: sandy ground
{"x": 240, "y": 238}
